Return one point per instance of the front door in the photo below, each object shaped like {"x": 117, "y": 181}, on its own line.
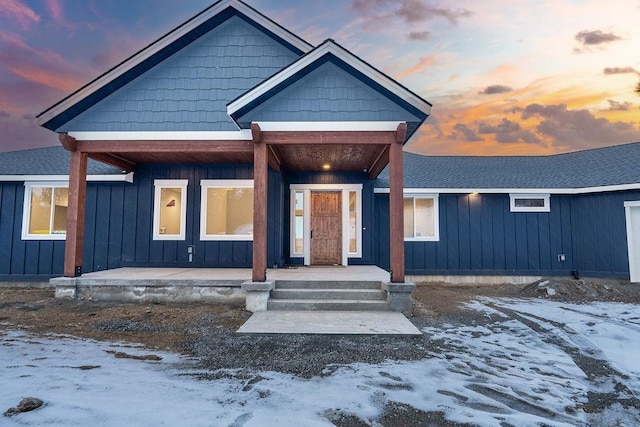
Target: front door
{"x": 326, "y": 227}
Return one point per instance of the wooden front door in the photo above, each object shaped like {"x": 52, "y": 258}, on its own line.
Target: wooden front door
{"x": 326, "y": 227}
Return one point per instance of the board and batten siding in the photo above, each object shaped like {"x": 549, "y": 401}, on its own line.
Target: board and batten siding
{"x": 480, "y": 236}
{"x": 39, "y": 260}
{"x": 140, "y": 250}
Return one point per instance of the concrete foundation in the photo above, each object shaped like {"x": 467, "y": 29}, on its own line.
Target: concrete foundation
{"x": 475, "y": 280}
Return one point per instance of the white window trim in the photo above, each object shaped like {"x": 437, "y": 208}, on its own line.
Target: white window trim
{"x": 205, "y": 184}
{"x": 307, "y": 189}
{"x": 26, "y": 211}
{"x": 159, "y": 184}
{"x": 436, "y": 217}
{"x": 514, "y": 208}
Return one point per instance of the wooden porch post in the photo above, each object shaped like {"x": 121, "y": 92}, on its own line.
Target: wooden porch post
{"x": 260, "y": 181}
{"x": 396, "y": 206}
{"x": 75, "y": 214}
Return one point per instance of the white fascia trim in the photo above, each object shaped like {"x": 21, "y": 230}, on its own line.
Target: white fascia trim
{"x": 538, "y": 191}
{"x": 347, "y": 57}
{"x": 236, "y": 135}
{"x": 65, "y": 178}
{"x": 632, "y": 204}
{"x": 166, "y": 40}
{"x": 328, "y": 126}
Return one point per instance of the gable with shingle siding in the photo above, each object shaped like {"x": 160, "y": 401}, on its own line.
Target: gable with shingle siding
{"x": 189, "y": 90}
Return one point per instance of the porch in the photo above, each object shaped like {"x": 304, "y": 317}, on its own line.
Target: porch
{"x": 358, "y": 288}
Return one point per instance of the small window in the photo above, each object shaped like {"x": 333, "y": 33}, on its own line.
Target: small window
{"x": 297, "y": 225}
{"x": 226, "y": 210}
{"x": 45, "y": 212}
{"x": 529, "y": 202}
{"x": 170, "y": 209}
{"x": 421, "y": 218}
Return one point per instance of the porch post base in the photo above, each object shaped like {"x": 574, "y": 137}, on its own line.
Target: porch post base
{"x": 66, "y": 287}
{"x": 257, "y": 294}
{"x": 399, "y": 296}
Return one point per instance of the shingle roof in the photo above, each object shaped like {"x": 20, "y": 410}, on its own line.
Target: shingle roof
{"x": 47, "y": 161}
{"x": 615, "y": 165}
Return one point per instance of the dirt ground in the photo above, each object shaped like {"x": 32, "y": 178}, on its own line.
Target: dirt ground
{"x": 176, "y": 327}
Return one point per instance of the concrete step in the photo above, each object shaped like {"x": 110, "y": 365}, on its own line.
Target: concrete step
{"x": 327, "y": 305}
{"x": 329, "y": 294}
{"x": 328, "y": 284}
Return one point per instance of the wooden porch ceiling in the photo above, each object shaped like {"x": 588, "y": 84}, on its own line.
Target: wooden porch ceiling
{"x": 291, "y": 151}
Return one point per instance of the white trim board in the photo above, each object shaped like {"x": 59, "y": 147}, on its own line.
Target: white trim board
{"x": 538, "y": 191}
{"x": 65, "y": 178}
{"x": 238, "y": 135}
{"x": 329, "y": 126}
{"x": 165, "y": 41}
{"x": 329, "y": 47}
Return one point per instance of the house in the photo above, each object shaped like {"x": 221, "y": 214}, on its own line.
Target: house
{"x": 231, "y": 142}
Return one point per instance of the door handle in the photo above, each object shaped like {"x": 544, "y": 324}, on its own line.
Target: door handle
{"x": 312, "y": 234}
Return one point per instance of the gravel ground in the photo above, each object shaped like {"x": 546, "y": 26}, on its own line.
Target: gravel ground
{"x": 206, "y": 332}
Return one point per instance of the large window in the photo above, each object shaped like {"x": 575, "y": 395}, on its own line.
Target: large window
{"x": 421, "y": 217}
{"x": 170, "y": 209}
{"x": 227, "y": 210}
{"x": 45, "y": 212}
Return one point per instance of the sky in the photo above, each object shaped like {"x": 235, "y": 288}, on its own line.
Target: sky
{"x": 523, "y": 365}
{"x": 505, "y": 77}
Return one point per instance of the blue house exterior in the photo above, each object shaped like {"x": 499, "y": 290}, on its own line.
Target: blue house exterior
{"x": 231, "y": 142}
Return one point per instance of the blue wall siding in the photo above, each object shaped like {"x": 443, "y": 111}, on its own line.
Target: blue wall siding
{"x": 143, "y": 251}
{"x": 33, "y": 260}
{"x": 189, "y": 90}
{"x": 328, "y": 93}
{"x": 369, "y": 240}
{"x": 600, "y": 234}
{"x": 479, "y": 235}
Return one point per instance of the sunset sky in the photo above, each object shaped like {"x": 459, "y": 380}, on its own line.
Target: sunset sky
{"x": 506, "y": 77}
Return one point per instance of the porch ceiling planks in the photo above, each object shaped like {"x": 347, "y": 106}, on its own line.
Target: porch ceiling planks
{"x": 345, "y": 157}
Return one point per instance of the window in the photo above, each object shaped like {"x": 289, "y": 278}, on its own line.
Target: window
{"x": 529, "y": 202}
{"x": 421, "y": 217}
{"x": 226, "y": 210}
{"x": 45, "y": 211}
{"x": 297, "y": 225}
{"x": 354, "y": 223}
{"x": 170, "y": 209}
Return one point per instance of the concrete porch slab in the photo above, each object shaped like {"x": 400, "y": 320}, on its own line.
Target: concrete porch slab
{"x": 329, "y": 323}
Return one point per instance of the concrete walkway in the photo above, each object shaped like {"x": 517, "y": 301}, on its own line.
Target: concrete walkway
{"x": 329, "y": 323}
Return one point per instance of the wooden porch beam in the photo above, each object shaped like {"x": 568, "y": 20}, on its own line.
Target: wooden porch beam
{"x": 260, "y": 196}
{"x": 380, "y": 163}
{"x": 396, "y": 205}
{"x": 328, "y": 137}
{"x": 180, "y": 146}
{"x": 113, "y": 160}
{"x": 75, "y": 214}
{"x": 68, "y": 142}
{"x": 274, "y": 161}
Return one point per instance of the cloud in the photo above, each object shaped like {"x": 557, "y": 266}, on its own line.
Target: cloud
{"x": 409, "y": 11}
{"x": 577, "y": 129}
{"x": 4, "y": 114}
{"x": 494, "y": 89}
{"x": 423, "y": 63}
{"x": 468, "y": 133}
{"x": 17, "y": 10}
{"x": 508, "y": 131}
{"x": 618, "y": 106}
{"x": 596, "y": 37}
{"x": 419, "y": 35}
{"x": 619, "y": 70}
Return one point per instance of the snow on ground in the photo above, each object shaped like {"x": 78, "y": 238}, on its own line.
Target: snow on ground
{"x": 528, "y": 363}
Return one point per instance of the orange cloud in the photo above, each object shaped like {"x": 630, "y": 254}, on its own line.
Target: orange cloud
{"x": 423, "y": 63}
{"x": 53, "y": 80}
{"x": 19, "y": 11}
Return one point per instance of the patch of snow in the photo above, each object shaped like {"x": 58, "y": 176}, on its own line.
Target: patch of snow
{"x": 512, "y": 369}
